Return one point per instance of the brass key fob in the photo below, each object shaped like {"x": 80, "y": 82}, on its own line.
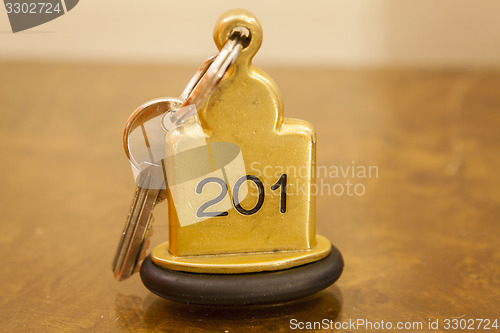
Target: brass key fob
{"x": 241, "y": 198}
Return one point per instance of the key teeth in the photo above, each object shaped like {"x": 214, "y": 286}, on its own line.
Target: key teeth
{"x": 145, "y": 246}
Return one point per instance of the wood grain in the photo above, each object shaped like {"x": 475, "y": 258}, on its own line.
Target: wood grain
{"x": 422, "y": 242}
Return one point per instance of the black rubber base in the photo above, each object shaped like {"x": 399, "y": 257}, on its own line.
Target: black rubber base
{"x": 243, "y": 289}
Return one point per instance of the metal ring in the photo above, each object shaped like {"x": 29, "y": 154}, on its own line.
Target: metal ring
{"x": 196, "y": 92}
{"x": 208, "y": 76}
{"x": 149, "y": 110}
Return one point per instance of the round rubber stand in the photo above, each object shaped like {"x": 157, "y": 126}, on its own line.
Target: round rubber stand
{"x": 242, "y": 289}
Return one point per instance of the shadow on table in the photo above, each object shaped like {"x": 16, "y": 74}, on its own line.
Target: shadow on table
{"x": 160, "y": 314}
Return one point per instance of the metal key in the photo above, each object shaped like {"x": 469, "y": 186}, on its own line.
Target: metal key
{"x": 135, "y": 235}
{"x": 150, "y": 183}
{"x": 137, "y": 231}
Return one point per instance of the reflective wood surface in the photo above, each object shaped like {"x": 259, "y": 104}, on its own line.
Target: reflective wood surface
{"x": 421, "y": 242}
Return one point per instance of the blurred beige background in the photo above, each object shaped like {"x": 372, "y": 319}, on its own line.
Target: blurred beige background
{"x": 305, "y": 33}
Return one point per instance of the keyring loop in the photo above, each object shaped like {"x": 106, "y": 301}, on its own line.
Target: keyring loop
{"x": 208, "y": 76}
{"x": 196, "y": 93}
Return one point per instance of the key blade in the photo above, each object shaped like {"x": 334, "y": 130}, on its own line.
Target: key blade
{"x": 136, "y": 230}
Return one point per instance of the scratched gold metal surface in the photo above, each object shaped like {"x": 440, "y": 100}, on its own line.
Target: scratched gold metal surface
{"x": 242, "y": 263}
{"x": 247, "y": 109}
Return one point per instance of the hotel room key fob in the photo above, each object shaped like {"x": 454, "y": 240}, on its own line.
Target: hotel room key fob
{"x": 240, "y": 187}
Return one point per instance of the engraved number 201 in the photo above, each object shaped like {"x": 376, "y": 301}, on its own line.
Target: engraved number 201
{"x": 201, "y": 212}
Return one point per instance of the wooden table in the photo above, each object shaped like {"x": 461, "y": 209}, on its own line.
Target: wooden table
{"x": 421, "y": 243}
